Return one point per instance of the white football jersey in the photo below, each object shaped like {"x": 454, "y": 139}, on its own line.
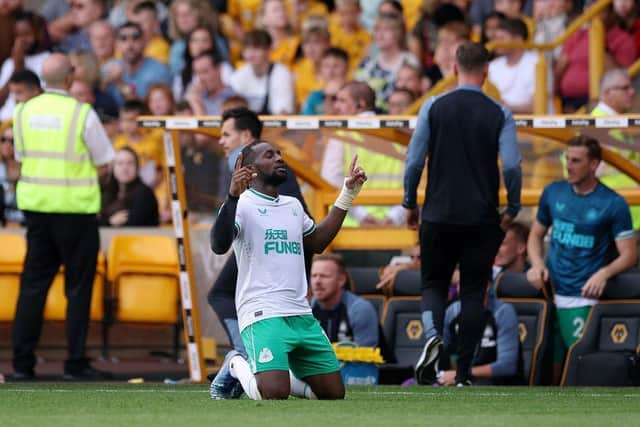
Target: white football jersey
{"x": 269, "y": 250}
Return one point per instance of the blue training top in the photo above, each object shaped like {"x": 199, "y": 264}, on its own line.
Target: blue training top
{"x": 584, "y": 228}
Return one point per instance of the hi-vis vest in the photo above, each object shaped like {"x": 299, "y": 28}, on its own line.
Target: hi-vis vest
{"x": 383, "y": 172}
{"x": 57, "y": 174}
{"x": 614, "y": 179}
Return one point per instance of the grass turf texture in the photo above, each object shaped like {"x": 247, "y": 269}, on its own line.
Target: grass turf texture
{"x": 160, "y": 405}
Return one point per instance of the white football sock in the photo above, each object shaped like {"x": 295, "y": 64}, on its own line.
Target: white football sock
{"x": 299, "y": 388}
{"x": 240, "y": 369}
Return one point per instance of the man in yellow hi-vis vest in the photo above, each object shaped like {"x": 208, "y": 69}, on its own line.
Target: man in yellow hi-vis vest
{"x": 616, "y": 98}
{"x": 384, "y": 171}
{"x": 63, "y": 149}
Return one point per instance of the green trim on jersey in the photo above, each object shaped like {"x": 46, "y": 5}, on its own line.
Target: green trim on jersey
{"x": 309, "y": 230}
{"x": 264, "y": 196}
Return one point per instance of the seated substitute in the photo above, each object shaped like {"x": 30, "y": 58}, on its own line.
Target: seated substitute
{"x": 343, "y": 315}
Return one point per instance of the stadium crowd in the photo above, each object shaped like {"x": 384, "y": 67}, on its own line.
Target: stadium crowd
{"x": 134, "y": 57}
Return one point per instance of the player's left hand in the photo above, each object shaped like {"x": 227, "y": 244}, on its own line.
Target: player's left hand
{"x": 447, "y": 378}
{"x": 357, "y": 175}
{"x": 595, "y": 285}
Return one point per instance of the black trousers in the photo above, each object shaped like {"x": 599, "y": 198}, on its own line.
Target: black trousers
{"x": 473, "y": 248}
{"x": 52, "y": 240}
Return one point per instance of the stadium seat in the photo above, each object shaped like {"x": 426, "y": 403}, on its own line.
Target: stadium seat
{"x": 402, "y": 325}
{"x": 13, "y": 249}
{"x": 144, "y": 272}
{"x": 532, "y": 309}
{"x": 363, "y": 282}
{"x": 608, "y": 352}
{"x": 406, "y": 283}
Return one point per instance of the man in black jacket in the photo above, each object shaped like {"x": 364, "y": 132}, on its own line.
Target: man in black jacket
{"x": 462, "y": 132}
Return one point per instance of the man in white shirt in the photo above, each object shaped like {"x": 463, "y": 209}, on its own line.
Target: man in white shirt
{"x": 267, "y": 86}
{"x": 514, "y": 73}
{"x": 270, "y": 233}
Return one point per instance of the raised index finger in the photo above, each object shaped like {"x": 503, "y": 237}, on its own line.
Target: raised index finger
{"x": 352, "y": 166}
{"x": 238, "y": 162}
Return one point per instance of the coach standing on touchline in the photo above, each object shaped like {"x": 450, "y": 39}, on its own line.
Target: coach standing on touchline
{"x": 462, "y": 133}
{"x": 62, "y": 147}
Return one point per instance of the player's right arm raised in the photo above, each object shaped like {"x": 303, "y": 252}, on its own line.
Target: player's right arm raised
{"x": 223, "y": 230}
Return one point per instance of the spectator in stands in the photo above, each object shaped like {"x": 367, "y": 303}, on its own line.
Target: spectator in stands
{"x": 8, "y": 10}
{"x": 449, "y": 37}
{"x": 86, "y": 68}
{"x": 71, "y": 32}
{"x": 207, "y": 92}
{"x": 200, "y": 40}
{"x": 126, "y": 200}
{"x": 23, "y": 85}
{"x": 490, "y": 26}
{"x": 334, "y": 67}
{"x": 54, "y": 9}
{"x": 146, "y": 144}
{"x": 159, "y": 100}
{"x": 512, "y": 9}
{"x": 409, "y": 78}
{"x": 551, "y": 18}
{"x": 480, "y": 9}
{"x": 358, "y": 99}
{"x": 9, "y": 174}
{"x": 466, "y": 230}
{"x": 275, "y": 21}
{"x": 514, "y": 72}
{"x": 184, "y": 17}
{"x": 268, "y": 86}
{"x": 624, "y": 15}
{"x": 589, "y": 220}
{"x": 145, "y": 14}
{"x": 131, "y": 76}
{"x": 379, "y": 70}
{"x": 423, "y": 38}
{"x": 616, "y": 98}
{"x": 400, "y": 100}
{"x": 303, "y": 11}
{"x": 343, "y": 315}
{"x": 347, "y": 33}
{"x": 572, "y": 67}
{"x": 103, "y": 41}
{"x": 307, "y": 70}
{"x": 29, "y": 51}
{"x": 498, "y": 357}
{"x": 82, "y": 91}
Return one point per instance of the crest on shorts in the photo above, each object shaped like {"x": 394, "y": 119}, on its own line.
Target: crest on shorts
{"x": 265, "y": 355}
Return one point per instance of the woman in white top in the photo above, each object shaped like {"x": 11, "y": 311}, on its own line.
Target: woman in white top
{"x": 30, "y": 49}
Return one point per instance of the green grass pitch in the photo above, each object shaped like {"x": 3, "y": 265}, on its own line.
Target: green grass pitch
{"x": 157, "y": 405}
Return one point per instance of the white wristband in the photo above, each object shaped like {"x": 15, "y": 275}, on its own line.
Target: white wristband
{"x": 345, "y": 199}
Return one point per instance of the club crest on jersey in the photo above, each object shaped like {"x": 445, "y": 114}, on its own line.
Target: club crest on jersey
{"x": 265, "y": 355}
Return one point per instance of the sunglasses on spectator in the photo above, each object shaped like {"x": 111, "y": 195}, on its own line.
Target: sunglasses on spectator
{"x": 129, "y": 36}
{"x": 6, "y": 139}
